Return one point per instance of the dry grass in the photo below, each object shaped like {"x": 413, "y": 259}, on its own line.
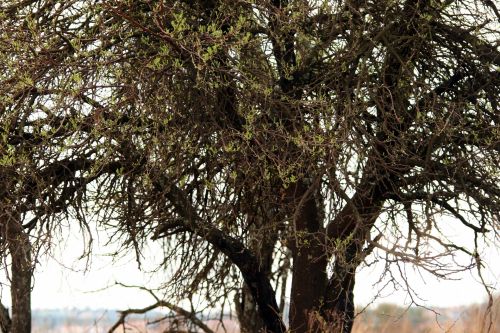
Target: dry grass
{"x": 388, "y": 318}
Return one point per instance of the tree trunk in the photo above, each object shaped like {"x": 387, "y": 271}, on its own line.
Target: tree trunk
{"x": 257, "y": 280}
{"x": 308, "y": 281}
{"x": 309, "y": 261}
{"x": 262, "y": 244}
{"x": 338, "y": 310}
{"x": 248, "y": 314}
{"x": 5, "y": 321}
{"x": 21, "y": 271}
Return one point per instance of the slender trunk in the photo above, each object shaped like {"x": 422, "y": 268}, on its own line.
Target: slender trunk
{"x": 350, "y": 228}
{"x": 247, "y": 311}
{"x": 257, "y": 280}
{"x": 265, "y": 298}
{"x": 338, "y": 310}
{"x": 309, "y": 262}
{"x": 246, "y": 306}
{"x": 21, "y": 271}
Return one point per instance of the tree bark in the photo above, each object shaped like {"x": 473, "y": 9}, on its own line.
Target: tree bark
{"x": 255, "y": 278}
{"x": 246, "y": 306}
{"x": 247, "y": 312}
{"x": 309, "y": 260}
{"x": 5, "y": 321}
{"x": 338, "y": 309}
{"x": 21, "y": 272}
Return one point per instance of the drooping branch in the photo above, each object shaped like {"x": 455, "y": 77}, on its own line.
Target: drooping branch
{"x": 486, "y": 52}
{"x": 257, "y": 280}
{"x": 161, "y": 303}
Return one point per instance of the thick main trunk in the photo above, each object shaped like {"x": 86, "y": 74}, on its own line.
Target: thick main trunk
{"x": 309, "y": 262}
{"x": 21, "y": 271}
{"x": 309, "y": 278}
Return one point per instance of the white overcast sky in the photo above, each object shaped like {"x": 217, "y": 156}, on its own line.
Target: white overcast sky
{"x": 57, "y": 286}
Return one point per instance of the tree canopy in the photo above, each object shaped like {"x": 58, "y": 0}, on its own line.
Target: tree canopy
{"x": 257, "y": 140}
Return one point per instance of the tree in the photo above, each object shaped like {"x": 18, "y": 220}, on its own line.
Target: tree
{"x": 248, "y": 135}
{"x": 43, "y": 165}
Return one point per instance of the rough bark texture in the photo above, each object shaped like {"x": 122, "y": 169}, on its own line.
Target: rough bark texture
{"x": 246, "y": 306}
{"x": 5, "y": 321}
{"x": 309, "y": 260}
{"x": 338, "y": 309}
{"x": 21, "y": 271}
{"x": 254, "y": 276}
{"x": 248, "y": 314}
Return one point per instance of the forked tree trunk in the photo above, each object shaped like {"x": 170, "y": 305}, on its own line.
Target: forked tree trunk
{"x": 21, "y": 271}
{"x": 318, "y": 305}
{"x": 326, "y": 307}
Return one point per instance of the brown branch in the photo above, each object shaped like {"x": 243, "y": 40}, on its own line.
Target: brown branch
{"x": 483, "y": 50}
{"x": 161, "y": 303}
{"x": 258, "y": 281}
{"x": 405, "y": 198}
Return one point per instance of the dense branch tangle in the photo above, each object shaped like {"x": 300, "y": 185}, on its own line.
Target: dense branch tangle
{"x": 242, "y": 134}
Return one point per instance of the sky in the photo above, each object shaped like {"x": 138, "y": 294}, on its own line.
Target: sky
{"x": 62, "y": 280}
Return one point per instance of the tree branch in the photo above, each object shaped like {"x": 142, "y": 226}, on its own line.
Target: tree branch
{"x": 260, "y": 286}
{"x": 177, "y": 309}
